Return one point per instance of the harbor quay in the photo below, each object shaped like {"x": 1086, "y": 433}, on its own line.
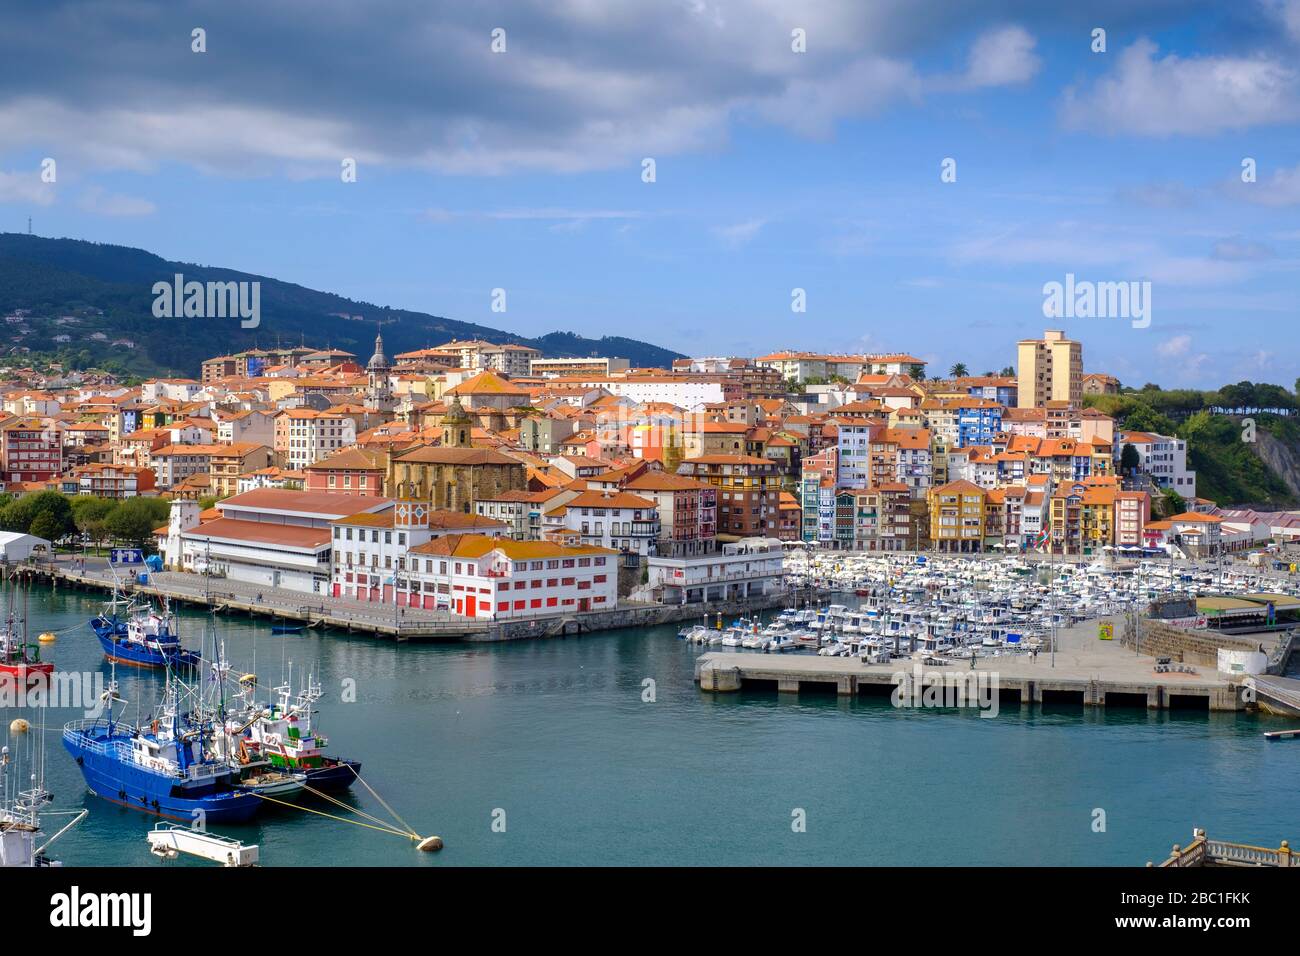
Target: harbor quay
{"x": 1086, "y": 671}
{"x": 401, "y": 624}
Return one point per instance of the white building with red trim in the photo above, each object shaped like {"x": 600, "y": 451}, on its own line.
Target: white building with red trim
{"x": 501, "y": 579}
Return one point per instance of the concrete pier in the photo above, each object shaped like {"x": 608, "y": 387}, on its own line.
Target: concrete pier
{"x": 1088, "y": 671}
{"x": 721, "y": 671}
{"x": 1277, "y": 695}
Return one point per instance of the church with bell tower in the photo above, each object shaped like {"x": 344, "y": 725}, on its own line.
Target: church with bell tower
{"x": 379, "y": 392}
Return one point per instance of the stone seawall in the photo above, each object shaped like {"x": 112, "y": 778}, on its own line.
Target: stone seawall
{"x": 635, "y": 615}
{"x": 1159, "y": 639}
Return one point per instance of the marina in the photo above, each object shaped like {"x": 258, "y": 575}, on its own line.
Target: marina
{"x": 520, "y": 721}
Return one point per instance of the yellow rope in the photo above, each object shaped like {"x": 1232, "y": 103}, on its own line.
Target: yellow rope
{"x": 340, "y": 803}
{"x": 398, "y": 818}
{"x": 355, "y": 823}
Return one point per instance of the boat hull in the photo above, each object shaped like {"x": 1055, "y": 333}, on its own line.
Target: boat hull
{"x": 129, "y": 785}
{"x": 26, "y": 674}
{"x": 117, "y": 648}
{"x": 335, "y": 776}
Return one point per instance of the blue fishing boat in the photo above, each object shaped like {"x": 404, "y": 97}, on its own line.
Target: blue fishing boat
{"x": 161, "y": 767}
{"x": 144, "y": 638}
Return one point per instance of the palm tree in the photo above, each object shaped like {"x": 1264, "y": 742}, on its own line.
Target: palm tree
{"x": 958, "y": 370}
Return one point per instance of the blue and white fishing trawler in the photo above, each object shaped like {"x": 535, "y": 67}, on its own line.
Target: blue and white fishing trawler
{"x": 162, "y": 767}
{"x": 143, "y": 638}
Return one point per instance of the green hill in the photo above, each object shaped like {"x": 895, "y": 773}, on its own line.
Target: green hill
{"x": 1234, "y": 464}
{"x": 92, "y": 304}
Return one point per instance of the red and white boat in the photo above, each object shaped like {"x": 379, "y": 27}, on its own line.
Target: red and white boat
{"x": 20, "y": 660}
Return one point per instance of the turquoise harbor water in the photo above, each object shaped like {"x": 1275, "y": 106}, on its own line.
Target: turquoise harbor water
{"x": 556, "y": 734}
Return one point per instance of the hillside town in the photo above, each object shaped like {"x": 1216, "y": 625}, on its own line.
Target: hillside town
{"x": 495, "y": 483}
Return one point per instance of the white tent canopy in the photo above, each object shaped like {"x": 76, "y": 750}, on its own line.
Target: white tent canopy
{"x": 16, "y": 546}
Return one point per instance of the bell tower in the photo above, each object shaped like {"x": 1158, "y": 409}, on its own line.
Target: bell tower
{"x": 378, "y": 392}
{"x": 456, "y": 426}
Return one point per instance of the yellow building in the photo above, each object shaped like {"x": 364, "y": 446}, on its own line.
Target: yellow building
{"x": 957, "y": 516}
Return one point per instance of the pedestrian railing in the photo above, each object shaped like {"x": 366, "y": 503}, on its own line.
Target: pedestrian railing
{"x": 1203, "y": 851}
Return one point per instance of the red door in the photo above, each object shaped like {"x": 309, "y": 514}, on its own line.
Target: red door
{"x": 428, "y": 602}
{"x": 471, "y": 606}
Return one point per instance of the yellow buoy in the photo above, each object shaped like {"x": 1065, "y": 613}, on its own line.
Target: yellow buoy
{"x": 47, "y": 638}
{"x": 19, "y": 726}
{"x": 430, "y": 844}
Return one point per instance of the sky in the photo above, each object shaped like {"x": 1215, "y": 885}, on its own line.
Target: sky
{"x": 522, "y": 168}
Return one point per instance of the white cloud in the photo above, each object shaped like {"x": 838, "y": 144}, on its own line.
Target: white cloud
{"x": 1196, "y": 96}
{"x": 1173, "y": 348}
{"x": 1003, "y": 57}
{"x": 543, "y": 214}
{"x": 99, "y": 202}
{"x": 1279, "y": 188}
{"x": 1237, "y": 249}
{"x": 740, "y": 233}
{"x": 25, "y": 187}
{"x": 1099, "y": 255}
{"x": 1289, "y": 11}
{"x": 584, "y": 85}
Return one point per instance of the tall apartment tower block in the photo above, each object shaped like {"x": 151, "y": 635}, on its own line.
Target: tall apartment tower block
{"x": 1049, "y": 369}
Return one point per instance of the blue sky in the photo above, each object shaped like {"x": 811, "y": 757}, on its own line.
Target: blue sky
{"x": 775, "y": 170}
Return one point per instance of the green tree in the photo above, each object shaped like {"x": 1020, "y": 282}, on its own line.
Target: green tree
{"x": 90, "y": 515}
{"x": 47, "y": 526}
{"x": 1174, "y": 503}
{"x": 19, "y": 514}
{"x": 917, "y": 372}
{"x": 958, "y": 370}
{"x": 1129, "y": 459}
{"x": 134, "y": 519}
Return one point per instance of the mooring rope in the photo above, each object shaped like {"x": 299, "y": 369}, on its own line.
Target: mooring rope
{"x": 375, "y": 794}
{"x": 385, "y": 829}
{"x": 325, "y": 796}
